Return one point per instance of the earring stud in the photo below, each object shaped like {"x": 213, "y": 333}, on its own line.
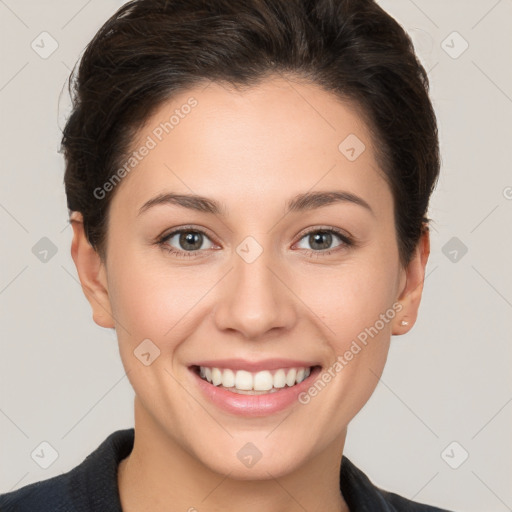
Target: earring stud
{"x": 404, "y": 322}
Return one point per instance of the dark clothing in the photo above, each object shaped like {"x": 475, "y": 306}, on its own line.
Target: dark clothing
{"x": 92, "y": 486}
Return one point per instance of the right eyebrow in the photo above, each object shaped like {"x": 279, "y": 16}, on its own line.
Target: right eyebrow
{"x": 190, "y": 201}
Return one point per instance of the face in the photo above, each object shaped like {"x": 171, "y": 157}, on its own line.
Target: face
{"x": 289, "y": 260}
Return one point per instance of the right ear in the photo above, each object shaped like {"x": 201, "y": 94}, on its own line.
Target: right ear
{"x": 92, "y": 273}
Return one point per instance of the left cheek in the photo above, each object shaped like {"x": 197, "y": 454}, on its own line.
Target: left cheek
{"x": 356, "y": 327}
{"x": 349, "y": 315}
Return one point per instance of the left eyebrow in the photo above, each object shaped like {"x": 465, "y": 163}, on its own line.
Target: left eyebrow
{"x": 312, "y": 200}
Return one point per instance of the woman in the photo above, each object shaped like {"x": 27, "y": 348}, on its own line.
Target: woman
{"x": 248, "y": 183}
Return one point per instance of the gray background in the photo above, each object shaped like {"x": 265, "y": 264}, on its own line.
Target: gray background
{"x": 448, "y": 380}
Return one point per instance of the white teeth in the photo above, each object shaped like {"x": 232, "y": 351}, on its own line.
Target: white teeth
{"x": 290, "y": 377}
{"x": 216, "y": 376}
{"x": 263, "y": 381}
{"x": 242, "y": 380}
{"x": 228, "y": 378}
{"x": 280, "y": 379}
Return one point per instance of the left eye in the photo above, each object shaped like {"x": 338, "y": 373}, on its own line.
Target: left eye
{"x": 321, "y": 239}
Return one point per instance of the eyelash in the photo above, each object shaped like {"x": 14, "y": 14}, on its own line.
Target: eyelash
{"x": 347, "y": 242}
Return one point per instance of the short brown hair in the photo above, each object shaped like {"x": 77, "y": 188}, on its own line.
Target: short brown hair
{"x": 151, "y": 49}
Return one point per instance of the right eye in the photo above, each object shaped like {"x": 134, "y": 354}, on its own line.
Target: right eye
{"x": 188, "y": 241}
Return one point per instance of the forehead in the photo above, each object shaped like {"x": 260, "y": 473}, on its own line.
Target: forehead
{"x": 273, "y": 140}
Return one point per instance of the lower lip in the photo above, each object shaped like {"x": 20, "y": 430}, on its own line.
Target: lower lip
{"x": 254, "y": 405}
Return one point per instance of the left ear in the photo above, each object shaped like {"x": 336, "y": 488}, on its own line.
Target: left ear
{"x": 410, "y": 295}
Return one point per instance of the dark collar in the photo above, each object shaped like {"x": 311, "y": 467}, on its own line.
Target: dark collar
{"x": 358, "y": 491}
{"x": 92, "y": 486}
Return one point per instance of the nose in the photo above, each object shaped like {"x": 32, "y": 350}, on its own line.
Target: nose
{"x": 256, "y": 298}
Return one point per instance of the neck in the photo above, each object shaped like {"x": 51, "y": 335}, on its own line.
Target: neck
{"x": 161, "y": 476}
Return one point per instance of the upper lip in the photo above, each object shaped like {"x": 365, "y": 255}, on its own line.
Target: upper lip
{"x": 256, "y": 366}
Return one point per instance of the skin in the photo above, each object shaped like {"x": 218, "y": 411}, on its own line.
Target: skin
{"x": 252, "y": 151}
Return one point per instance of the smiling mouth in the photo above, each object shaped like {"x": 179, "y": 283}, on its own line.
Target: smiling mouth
{"x": 254, "y": 383}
